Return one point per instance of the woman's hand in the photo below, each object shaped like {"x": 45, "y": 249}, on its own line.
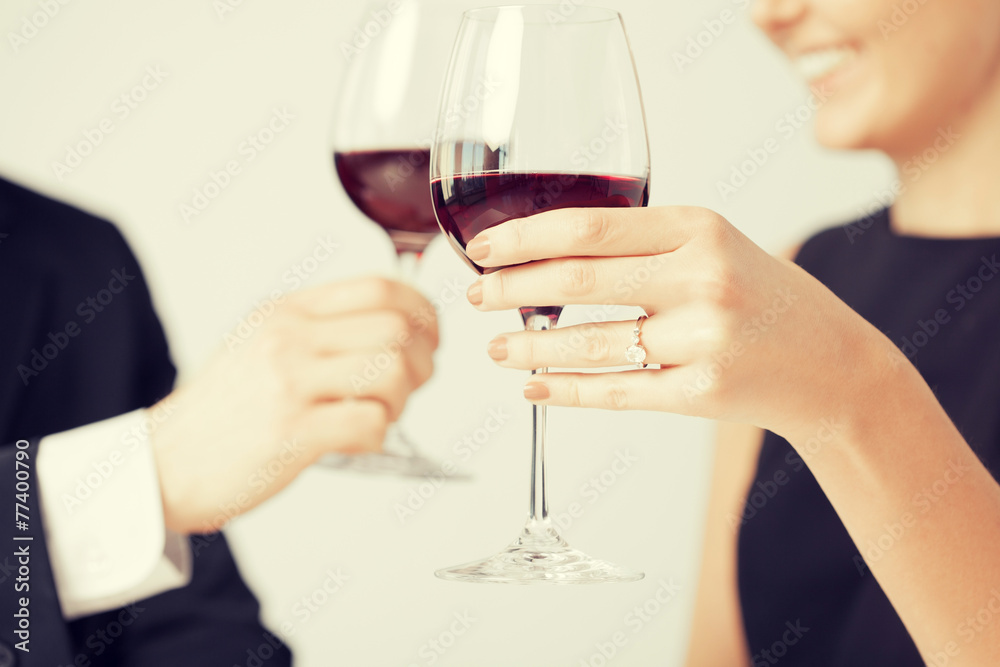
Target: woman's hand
{"x": 326, "y": 371}
{"x": 740, "y": 335}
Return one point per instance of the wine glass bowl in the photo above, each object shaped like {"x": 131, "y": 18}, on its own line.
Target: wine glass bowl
{"x": 469, "y": 204}
{"x": 540, "y": 110}
{"x": 390, "y": 187}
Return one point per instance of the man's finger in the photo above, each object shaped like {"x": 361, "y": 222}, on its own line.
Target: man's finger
{"x": 368, "y": 294}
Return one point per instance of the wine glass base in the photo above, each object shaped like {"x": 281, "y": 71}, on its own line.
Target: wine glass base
{"x": 399, "y": 456}
{"x": 380, "y": 463}
{"x": 540, "y": 556}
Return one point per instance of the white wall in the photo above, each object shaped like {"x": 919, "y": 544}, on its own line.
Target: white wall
{"x": 225, "y": 75}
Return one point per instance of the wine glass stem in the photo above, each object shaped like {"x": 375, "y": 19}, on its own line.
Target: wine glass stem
{"x": 538, "y": 507}
{"x": 407, "y": 266}
{"x": 406, "y": 271}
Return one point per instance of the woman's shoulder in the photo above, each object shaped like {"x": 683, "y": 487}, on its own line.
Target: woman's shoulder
{"x": 830, "y": 242}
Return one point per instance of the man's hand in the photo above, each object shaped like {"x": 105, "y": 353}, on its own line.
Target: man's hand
{"x": 326, "y": 372}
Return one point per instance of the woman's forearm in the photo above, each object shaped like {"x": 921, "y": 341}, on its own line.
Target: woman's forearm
{"x": 923, "y": 511}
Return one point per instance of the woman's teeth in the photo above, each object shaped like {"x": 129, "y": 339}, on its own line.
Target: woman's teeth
{"x": 818, "y": 64}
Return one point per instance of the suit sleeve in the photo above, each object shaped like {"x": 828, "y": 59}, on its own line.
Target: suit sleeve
{"x": 80, "y": 344}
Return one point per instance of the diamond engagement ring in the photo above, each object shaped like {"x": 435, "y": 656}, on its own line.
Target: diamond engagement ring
{"x": 636, "y": 353}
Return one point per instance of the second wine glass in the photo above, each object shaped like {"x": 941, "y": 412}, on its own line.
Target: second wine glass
{"x": 382, "y": 134}
{"x": 541, "y": 110}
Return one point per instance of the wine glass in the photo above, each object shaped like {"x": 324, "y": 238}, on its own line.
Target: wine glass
{"x": 541, "y": 110}
{"x": 381, "y": 138}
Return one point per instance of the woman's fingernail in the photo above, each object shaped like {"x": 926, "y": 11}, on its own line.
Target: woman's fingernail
{"x": 535, "y": 391}
{"x": 478, "y": 249}
{"x": 475, "y": 293}
{"x": 497, "y": 349}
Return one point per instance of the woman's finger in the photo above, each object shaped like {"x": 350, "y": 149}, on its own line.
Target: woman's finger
{"x": 669, "y": 338}
{"x": 663, "y": 389}
{"x": 605, "y": 280}
{"x": 589, "y": 232}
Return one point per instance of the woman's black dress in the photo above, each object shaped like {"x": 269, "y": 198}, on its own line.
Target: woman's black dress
{"x": 807, "y": 596}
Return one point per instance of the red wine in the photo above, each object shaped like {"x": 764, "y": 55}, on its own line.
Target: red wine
{"x": 390, "y": 187}
{"x": 468, "y": 204}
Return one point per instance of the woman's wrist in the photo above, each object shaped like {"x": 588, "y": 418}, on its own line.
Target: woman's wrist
{"x": 875, "y": 401}
{"x": 856, "y": 396}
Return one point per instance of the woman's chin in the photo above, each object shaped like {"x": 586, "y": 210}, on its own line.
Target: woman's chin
{"x": 840, "y": 130}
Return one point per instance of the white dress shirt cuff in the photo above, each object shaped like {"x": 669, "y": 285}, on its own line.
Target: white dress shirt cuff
{"x": 103, "y": 517}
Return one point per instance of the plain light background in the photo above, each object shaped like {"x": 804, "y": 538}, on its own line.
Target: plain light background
{"x": 227, "y": 71}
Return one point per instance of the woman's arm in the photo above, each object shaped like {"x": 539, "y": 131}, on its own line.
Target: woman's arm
{"x": 717, "y": 635}
{"x": 923, "y": 511}
{"x": 746, "y": 337}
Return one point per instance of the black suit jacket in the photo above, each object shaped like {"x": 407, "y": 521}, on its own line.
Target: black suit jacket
{"x": 79, "y": 343}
